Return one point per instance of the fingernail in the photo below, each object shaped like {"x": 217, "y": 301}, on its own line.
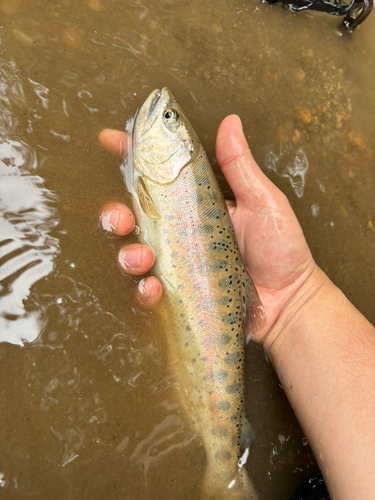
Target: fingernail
{"x": 132, "y": 258}
{"x": 110, "y": 220}
{"x": 143, "y": 290}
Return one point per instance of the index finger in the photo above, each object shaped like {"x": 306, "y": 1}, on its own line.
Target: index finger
{"x": 117, "y": 219}
{"x": 114, "y": 141}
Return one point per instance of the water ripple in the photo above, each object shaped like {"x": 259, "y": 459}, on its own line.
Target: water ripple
{"x": 289, "y": 163}
{"x": 27, "y": 249}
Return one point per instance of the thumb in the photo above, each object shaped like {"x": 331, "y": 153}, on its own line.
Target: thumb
{"x": 247, "y": 181}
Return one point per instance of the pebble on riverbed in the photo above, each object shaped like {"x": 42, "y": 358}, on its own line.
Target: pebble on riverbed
{"x": 356, "y": 140}
{"x": 296, "y": 136}
{"x": 305, "y": 116}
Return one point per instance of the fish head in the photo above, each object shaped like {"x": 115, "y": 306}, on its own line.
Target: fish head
{"x": 164, "y": 141}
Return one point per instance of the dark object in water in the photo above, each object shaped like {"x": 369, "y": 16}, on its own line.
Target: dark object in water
{"x": 354, "y": 12}
{"x": 312, "y": 488}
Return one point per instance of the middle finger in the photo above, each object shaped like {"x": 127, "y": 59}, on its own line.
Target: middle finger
{"x": 136, "y": 259}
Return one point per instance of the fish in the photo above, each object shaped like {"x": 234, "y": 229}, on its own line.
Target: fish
{"x": 209, "y": 300}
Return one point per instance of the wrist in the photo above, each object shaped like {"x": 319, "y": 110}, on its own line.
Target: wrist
{"x": 323, "y": 351}
{"x": 300, "y": 313}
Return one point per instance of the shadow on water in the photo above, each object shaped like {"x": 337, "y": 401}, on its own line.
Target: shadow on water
{"x": 89, "y": 407}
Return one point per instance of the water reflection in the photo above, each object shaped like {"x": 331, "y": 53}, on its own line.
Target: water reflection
{"x": 27, "y": 248}
{"x": 291, "y": 163}
{"x": 164, "y": 438}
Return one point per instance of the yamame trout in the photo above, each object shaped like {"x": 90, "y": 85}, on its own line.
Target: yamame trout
{"x": 208, "y": 295}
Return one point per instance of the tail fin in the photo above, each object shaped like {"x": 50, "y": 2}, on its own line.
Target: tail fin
{"x": 238, "y": 487}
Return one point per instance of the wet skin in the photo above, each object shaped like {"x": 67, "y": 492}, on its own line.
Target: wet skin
{"x": 269, "y": 236}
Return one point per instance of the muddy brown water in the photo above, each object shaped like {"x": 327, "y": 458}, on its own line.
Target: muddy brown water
{"x": 88, "y": 406}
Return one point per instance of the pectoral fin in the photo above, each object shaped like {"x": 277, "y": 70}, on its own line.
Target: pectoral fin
{"x": 255, "y": 315}
{"x": 145, "y": 200}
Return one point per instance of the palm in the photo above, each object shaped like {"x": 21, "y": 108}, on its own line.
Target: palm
{"x": 269, "y": 236}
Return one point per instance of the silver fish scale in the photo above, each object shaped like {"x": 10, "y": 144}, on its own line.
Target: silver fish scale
{"x": 203, "y": 306}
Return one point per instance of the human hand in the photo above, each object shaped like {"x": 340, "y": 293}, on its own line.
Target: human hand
{"x": 118, "y": 219}
{"x": 269, "y": 236}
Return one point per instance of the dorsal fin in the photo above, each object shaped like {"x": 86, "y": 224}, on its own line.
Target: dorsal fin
{"x": 145, "y": 200}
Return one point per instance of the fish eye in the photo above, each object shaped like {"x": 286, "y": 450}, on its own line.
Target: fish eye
{"x": 170, "y": 116}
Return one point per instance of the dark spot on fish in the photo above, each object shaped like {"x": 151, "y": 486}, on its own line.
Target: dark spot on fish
{"x": 213, "y": 196}
{"x": 204, "y": 168}
{"x": 202, "y": 181}
{"x": 231, "y": 318}
{"x": 223, "y": 405}
{"x": 219, "y": 264}
{"x": 223, "y": 455}
{"x": 188, "y": 328}
{"x": 219, "y": 246}
{"x": 233, "y": 388}
{"x": 220, "y": 375}
{"x": 235, "y": 417}
{"x": 223, "y": 431}
{"x": 223, "y": 301}
{"x": 232, "y": 359}
{"x": 223, "y": 339}
{"x": 213, "y": 213}
{"x": 194, "y": 360}
{"x": 227, "y": 281}
{"x": 205, "y": 228}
